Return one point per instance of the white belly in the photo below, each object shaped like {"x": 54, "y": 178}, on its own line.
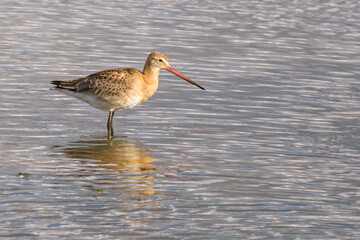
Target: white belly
{"x": 112, "y": 103}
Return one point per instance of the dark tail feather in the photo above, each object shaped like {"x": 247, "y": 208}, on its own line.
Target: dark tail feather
{"x": 57, "y": 83}
{"x": 69, "y": 85}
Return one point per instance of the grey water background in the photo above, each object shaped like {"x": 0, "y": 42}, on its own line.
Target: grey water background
{"x": 270, "y": 151}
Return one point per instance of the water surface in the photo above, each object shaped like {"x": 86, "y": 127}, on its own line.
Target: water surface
{"x": 269, "y": 151}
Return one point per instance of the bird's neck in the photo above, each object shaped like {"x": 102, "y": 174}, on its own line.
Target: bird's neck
{"x": 151, "y": 74}
{"x": 151, "y": 80}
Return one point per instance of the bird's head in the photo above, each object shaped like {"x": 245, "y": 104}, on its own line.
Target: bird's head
{"x": 160, "y": 61}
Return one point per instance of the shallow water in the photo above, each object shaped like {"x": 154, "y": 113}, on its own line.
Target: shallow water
{"x": 270, "y": 151}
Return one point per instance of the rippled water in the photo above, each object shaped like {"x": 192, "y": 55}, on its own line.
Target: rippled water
{"x": 270, "y": 151}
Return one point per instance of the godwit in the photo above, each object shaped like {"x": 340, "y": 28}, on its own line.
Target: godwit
{"x": 117, "y": 89}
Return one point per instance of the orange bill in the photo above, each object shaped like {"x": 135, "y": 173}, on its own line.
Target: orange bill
{"x": 179, "y": 74}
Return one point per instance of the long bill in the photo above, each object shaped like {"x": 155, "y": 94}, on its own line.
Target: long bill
{"x": 179, "y": 74}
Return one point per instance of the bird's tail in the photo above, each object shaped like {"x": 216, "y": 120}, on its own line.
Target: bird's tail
{"x": 70, "y": 85}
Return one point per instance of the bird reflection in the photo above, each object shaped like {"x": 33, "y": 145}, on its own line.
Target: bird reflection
{"x": 123, "y": 156}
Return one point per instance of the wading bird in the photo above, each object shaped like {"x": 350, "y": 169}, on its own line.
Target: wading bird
{"x": 117, "y": 89}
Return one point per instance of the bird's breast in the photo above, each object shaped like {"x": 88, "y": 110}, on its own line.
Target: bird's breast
{"x": 124, "y": 102}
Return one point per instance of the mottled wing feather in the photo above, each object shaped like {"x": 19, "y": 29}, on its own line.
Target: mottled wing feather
{"x": 105, "y": 83}
{"x": 109, "y": 82}
{"x": 85, "y": 85}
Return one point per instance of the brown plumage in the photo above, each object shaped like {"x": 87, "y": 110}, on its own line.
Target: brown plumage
{"x": 121, "y": 88}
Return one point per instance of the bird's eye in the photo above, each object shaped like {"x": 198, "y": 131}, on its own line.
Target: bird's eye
{"x": 161, "y": 60}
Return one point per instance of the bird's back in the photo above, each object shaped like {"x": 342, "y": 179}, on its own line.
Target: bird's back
{"x": 111, "y": 89}
{"x": 107, "y": 82}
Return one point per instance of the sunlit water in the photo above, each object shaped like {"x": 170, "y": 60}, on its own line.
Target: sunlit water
{"x": 270, "y": 151}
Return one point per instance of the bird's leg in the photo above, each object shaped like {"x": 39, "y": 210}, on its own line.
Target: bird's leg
{"x": 110, "y": 125}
